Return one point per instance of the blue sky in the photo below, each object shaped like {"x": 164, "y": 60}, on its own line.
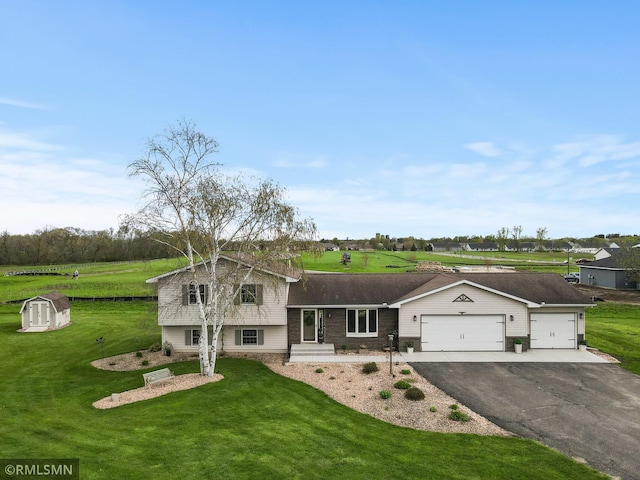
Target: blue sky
{"x": 423, "y": 118}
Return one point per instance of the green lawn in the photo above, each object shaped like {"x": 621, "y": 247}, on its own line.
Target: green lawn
{"x": 615, "y": 328}
{"x": 96, "y": 280}
{"x": 253, "y": 424}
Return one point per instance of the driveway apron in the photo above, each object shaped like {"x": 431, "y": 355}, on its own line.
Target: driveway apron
{"x": 586, "y": 411}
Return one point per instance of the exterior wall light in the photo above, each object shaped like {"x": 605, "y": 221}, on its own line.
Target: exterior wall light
{"x": 415, "y": 318}
{"x": 511, "y": 317}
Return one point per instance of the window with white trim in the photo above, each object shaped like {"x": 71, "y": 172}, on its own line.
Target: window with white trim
{"x": 362, "y": 323}
{"x": 192, "y": 336}
{"x": 193, "y": 289}
{"x": 249, "y": 337}
{"x": 249, "y": 294}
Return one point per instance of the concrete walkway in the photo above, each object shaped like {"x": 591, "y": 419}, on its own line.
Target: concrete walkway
{"x": 530, "y": 356}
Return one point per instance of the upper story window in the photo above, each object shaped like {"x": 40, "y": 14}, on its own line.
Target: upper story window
{"x": 190, "y": 294}
{"x": 249, "y": 294}
{"x": 362, "y": 323}
{"x": 193, "y": 292}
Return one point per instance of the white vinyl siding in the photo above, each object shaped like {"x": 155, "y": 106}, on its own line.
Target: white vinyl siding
{"x": 274, "y": 339}
{"x": 484, "y": 303}
{"x": 270, "y": 309}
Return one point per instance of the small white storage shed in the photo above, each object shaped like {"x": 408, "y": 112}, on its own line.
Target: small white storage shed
{"x": 45, "y": 312}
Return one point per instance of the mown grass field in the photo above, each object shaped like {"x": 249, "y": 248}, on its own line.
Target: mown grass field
{"x": 253, "y": 424}
{"x": 615, "y": 328}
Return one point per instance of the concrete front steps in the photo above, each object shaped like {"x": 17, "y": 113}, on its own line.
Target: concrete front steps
{"x": 311, "y": 352}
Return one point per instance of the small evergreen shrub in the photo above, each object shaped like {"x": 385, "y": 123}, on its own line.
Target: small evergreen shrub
{"x": 414, "y": 393}
{"x": 433, "y": 409}
{"x": 139, "y": 354}
{"x": 319, "y": 370}
{"x": 454, "y": 406}
{"x": 385, "y": 394}
{"x": 145, "y": 362}
{"x": 156, "y": 347}
{"x": 402, "y": 385}
{"x": 370, "y": 367}
{"x": 458, "y": 416}
{"x": 405, "y": 371}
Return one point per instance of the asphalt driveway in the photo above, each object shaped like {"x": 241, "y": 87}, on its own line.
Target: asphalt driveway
{"x": 586, "y": 411}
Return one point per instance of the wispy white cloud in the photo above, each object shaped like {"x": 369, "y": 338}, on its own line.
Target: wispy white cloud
{"x": 594, "y": 150}
{"x": 45, "y": 184}
{"x": 22, "y": 104}
{"x": 486, "y": 149}
{"x": 19, "y": 140}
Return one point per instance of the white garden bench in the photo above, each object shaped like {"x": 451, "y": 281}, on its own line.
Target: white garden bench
{"x": 157, "y": 376}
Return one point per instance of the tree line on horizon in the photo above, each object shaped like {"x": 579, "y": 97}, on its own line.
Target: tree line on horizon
{"x": 57, "y": 246}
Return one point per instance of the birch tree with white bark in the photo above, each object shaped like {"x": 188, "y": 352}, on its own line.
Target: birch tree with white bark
{"x": 205, "y": 215}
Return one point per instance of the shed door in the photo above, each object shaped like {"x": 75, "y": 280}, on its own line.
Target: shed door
{"x": 39, "y": 314}
{"x": 553, "y": 330}
{"x": 462, "y": 333}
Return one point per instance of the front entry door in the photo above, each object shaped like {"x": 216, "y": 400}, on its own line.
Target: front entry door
{"x": 309, "y": 326}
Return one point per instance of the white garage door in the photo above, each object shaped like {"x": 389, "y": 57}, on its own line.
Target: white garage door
{"x": 462, "y": 333}
{"x": 553, "y": 330}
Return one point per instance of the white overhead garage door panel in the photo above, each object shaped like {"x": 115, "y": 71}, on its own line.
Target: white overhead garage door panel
{"x": 462, "y": 333}
{"x": 553, "y": 330}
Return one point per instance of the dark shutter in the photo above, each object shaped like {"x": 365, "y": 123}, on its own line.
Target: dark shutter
{"x": 236, "y": 298}
{"x": 260, "y": 337}
{"x": 187, "y": 337}
{"x": 238, "y": 337}
{"x": 185, "y": 294}
{"x": 259, "y": 294}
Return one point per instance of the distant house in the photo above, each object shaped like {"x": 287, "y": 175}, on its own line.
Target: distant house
{"x": 605, "y": 271}
{"x": 435, "y": 311}
{"x": 45, "y": 312}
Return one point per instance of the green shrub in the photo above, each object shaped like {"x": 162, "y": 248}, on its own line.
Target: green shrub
{"x": 370, "y": 367}
{"x": 433, "y": 409}
{"x": 458, "y": 416}
{"x": 402, "y": 385}
{"x": 405, "y": 371}
{"x": 453, "y": 406}
{"x": 156, "y": 347}
{"x": 139, "y": 354}
{"x": 385, "y": 394}
{"x": 319, "y": 370}
{"x": 414, "y": 393}
{"x": 145, "y": 362}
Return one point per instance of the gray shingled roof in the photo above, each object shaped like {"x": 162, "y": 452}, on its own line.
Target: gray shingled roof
{"x": 60, "y": 302}
{"x": 327, "y": 289}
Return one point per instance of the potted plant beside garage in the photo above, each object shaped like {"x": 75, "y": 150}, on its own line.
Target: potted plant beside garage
{"x": 517, "y": 345}
{"x": 582, "y": 345}
{"x": 409, "y": 347}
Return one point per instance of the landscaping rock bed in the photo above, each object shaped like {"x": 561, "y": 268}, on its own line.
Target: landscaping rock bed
{"x": 344, "y": 382}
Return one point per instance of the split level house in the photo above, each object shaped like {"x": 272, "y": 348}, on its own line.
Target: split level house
{"x": 433, "y": 311}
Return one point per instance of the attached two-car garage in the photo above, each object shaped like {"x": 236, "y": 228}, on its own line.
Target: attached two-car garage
{"x": 467, "y": 333}
{"x": 462, "y": 333}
